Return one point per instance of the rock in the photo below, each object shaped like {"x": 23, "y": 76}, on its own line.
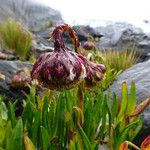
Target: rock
{"x": 6, "y": 56}
{"x": 140, "y": 74}
{"x": 33, "y": 15}
{"x": 7, "y": 70}
{"x": 123, "y": 35}
{"x": 84, "y": 32}
{"x": 41, "y": 45}
{"x": 44, "y": 33}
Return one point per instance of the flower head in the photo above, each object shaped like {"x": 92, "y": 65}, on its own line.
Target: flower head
{"x": 63, "y": 69}
{"x": 94, "y": 72}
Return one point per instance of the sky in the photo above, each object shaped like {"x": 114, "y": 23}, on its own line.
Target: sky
{"x": 95, "y": 12}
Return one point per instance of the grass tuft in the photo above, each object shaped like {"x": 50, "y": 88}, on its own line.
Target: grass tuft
{"x": 14, "y": 36}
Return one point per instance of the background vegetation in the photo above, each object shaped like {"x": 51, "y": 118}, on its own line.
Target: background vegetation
{"x": 14, "y": 36}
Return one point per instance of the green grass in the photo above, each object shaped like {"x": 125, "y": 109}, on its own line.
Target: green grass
{"x": 116, "y": 62}
{"x": 14, "y": 36}
{"x": 120, "y": 60}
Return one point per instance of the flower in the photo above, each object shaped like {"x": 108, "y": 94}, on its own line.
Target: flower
{"x": 95, "y": 72}
{"x": 88, "y": 45}
{"x": 21, "y": 79}
{"x": 63, "y": 69}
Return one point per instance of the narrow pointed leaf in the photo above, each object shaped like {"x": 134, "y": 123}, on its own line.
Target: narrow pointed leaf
{"x": 123, "y": 102}
{"x": 45, "y": 138}
{"x": 28, "y": 143}
{"x": 132, "y": 100}
{"x": 84, "y": 138}
{"x": 140, "y": 108}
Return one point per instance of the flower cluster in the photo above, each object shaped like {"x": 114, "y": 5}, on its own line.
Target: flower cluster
{"x": 63, "y": 69}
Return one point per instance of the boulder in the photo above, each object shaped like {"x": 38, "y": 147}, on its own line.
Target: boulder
{"x": 83, "y": 32}
{"x": 122, "y": 35}
{"x": 41, "y": 45}
{"x": 140, "y": 74}
{"x": 7, "y": 70}
{"x": 34, "y": 15}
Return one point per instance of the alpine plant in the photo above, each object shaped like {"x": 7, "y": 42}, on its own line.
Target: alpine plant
{"x": 63, "y": 69}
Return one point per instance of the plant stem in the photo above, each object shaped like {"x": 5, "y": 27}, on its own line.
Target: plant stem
{"x": 133, "y": 145}
{"x": 80, "y": 97}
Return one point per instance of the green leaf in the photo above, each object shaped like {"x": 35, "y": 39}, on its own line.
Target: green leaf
{"x": 16, "y": 140}
{"x": 103, "y": 125}
{"x": 60, "y": 120}
{"x": 28, "y": 143}
{"x": 124, "y": 134}
{"x": 133, "y": 133}
{"x": 36, "y": 127}
{"x": 11, "y": 114}
{"x": 8, "y": 134}
{"x": 114, "y": 107}
{"x": 3, "y": 110}
{"x": 2, "y": 135}
{"x": 132, "y": 100}
{"x": 45, "y": 138}
{"x": 109, "y": 118}
{"x": 124, "y": 103}
{"x": 85, "y": 139}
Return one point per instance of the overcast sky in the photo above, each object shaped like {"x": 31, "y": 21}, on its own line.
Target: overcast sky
{"x": 80, "y": 11}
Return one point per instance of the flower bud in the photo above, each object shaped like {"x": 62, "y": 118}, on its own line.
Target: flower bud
{"x": 88, "y": 45}
{"x": 20, "y": 81}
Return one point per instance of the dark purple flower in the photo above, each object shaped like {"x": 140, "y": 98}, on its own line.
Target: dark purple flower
{"x": 94, "y": 72}
{"x": 63, "y": 69}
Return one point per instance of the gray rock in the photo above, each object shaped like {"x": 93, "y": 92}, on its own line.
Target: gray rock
{"x": 33, "y": 15}
{"x": 117, "y": 33}
{"x": 123, "y": 35}
{"x": 140, "y": 74}
{"x": 9, "y": 69}
{"x": 84, "y": 32}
